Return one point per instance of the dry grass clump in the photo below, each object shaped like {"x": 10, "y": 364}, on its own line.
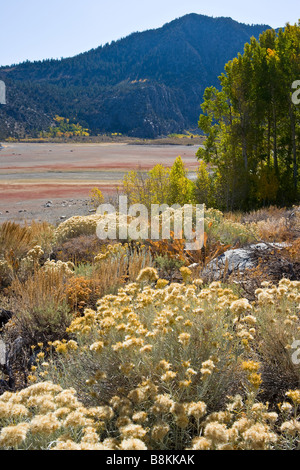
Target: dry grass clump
{"x": 275, "y": 230}
{"x": 22, "y": 248}
{"x": 271, "y": 212}
{"x": 18, "y": 239}
{"x": 40, "y": 308}
{"x": 275, "y": 224}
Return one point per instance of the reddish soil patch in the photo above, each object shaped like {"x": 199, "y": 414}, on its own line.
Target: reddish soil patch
{"x": 26, "y": 192}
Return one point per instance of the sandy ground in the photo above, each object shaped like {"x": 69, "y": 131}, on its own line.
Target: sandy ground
{"x": 52, "y": 181}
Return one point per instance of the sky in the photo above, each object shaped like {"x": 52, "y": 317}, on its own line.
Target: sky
{"x": 39, "y": 29}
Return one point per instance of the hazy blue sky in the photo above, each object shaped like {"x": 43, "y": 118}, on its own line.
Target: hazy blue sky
{"x": 39, "y": 29}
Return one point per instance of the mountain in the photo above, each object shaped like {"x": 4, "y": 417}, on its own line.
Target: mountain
{"x": 145, "y": 85}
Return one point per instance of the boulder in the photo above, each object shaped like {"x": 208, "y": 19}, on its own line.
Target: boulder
{"x": 238, "y": 259}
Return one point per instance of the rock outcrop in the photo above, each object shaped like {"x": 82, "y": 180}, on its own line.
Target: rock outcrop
{"x": 238, "y": 260}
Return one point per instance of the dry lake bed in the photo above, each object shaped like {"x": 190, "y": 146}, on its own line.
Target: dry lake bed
{"x": 52, "y": 181}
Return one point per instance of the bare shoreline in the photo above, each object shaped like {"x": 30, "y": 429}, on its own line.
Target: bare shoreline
{"x": 61, "y": 175}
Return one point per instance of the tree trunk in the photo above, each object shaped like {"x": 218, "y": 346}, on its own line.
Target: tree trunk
{"x": 275, "y": 152}
{"x": 294, "y": 150}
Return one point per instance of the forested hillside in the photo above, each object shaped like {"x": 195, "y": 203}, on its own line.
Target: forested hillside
{"x": 147, "y": 84}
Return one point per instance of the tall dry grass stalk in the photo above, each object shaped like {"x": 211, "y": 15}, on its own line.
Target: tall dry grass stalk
{"x": 40, "y": 308}
{"x": 20, "y": 239}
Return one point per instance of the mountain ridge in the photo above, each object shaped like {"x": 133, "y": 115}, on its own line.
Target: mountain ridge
{"x": 147, "y": 84}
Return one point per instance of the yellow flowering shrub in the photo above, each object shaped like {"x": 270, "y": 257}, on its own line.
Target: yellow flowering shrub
{"x": 86, "y": 225}
{"x": 77, "y": 225}
{"x": 145, "y": 352}
{"x": 161, "y": 365}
